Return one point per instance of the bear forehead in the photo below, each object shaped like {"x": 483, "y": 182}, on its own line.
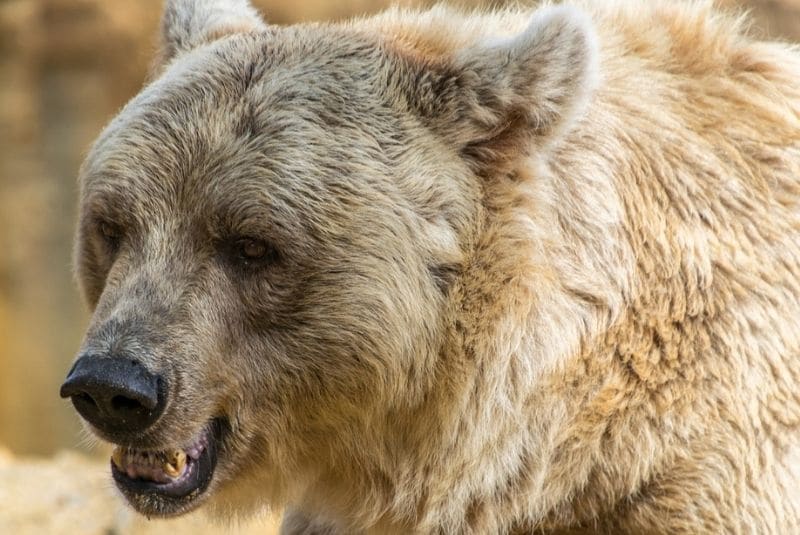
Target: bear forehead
{"x": 286, "y": 66}
{"x": 261, "y": 99}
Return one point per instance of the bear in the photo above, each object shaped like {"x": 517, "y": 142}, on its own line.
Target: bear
{"x": 443, "y": 271}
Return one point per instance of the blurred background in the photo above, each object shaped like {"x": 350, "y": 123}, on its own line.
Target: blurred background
{"x": 66, "y": 66}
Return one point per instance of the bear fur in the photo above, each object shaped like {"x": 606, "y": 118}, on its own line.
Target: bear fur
{"x": 530, "y": 270}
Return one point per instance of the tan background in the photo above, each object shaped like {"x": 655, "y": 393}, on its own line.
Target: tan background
{"x": 65, "y": 67}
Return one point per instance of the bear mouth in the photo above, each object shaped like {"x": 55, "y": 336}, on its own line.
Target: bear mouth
{"x": 169, "y": 481}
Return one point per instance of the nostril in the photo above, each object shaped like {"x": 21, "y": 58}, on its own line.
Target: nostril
{"x": 122, "y": 404}
{"x": 86, "y": 398}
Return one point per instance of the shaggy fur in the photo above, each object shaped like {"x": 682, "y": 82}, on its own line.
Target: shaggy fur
{"x": 531, "y": 270}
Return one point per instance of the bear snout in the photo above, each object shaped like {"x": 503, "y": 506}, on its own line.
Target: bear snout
{"x": 114, "y": 394}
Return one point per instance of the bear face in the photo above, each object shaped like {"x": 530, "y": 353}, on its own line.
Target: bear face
{"x": 235, "y": 231}
{"x": 271, "y": 231}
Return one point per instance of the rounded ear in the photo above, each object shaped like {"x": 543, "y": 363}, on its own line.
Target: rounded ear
{"x": 187, "y": 24}
{"x": 505, "y": 95}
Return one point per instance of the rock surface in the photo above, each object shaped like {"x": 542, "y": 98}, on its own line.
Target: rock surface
{"x": 72, "y": 493}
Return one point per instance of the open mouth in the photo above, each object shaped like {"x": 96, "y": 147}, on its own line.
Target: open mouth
{"x": 169, "y": 481}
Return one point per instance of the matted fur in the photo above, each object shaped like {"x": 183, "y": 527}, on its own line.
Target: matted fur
{"x": 539, "y": 269}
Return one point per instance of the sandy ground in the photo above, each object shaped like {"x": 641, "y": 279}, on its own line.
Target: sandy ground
{"x": 73, "y": 494}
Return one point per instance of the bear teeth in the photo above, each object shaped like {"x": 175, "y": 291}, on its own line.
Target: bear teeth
{"x": 175, "y": 464}
{"x": 158, "y": 466}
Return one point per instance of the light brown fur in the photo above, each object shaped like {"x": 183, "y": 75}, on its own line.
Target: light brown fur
{"x": 561, "y": 302}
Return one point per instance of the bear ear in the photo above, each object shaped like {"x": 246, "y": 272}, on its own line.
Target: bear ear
{"x": 187, "y": 24}
{"x": 500, "y": 97}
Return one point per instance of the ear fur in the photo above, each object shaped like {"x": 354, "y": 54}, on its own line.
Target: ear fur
{"x": 529, "y": 88}
{"x": 187, "y": 24}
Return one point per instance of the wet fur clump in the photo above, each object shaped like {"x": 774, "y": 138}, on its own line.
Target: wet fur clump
{"x": 445, "y": 272}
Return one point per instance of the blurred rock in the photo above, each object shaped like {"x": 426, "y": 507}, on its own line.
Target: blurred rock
{"x": 773, "y": 19}
{"x": 71, "y": 494}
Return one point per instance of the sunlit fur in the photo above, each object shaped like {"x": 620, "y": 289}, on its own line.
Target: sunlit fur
{"x": 539, "y": 269}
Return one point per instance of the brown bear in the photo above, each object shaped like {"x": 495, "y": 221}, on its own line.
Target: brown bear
{"x": 442, "y": 272}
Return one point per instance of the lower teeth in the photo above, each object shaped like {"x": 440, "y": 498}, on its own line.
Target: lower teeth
{"x": 159, "y": 467}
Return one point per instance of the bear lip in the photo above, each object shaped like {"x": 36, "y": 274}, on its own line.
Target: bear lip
{"x": 151, "y": 489}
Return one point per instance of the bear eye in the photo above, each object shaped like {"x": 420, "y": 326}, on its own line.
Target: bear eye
{"x": 111, "y": 233}
{"x": 253, "y": 250}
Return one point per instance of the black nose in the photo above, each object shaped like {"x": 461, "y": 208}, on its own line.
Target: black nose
{"x": 115, "y": 394}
